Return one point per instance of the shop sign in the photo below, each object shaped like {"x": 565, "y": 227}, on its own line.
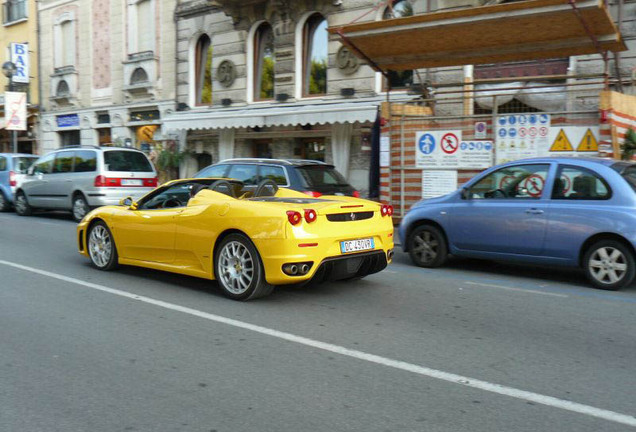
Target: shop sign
{"x": 68, "y": 120}
{"x": 16, "y": 111}
{"x": 20, "y": 58}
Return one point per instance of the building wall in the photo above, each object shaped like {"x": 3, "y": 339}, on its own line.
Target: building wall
{"x": 105, "y": 59}
{"x": 24, "y": 31}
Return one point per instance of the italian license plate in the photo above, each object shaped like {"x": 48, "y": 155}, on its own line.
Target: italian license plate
{"x": 131, "y": 182}
{"x": 356, "y": 245}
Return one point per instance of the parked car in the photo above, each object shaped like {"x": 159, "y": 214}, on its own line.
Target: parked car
{"x": 311, "y": 177}
{"x": 198, "y": 227}
{"x": 13, "y": 168}
{"x": 83, "y": 177}
{"x": 577, "y": 212}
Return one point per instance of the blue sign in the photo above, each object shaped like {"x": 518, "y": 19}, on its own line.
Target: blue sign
{"x": 512, "y": 132}
{"x": 512, "y": 120}
{"x": 68, "y": 120}
{"x": 502, "y": 121}
{"x": 502, "y": 133}
{"x": 543, "y": 118}
{"x": 533, "y": 119}
{"x": 523, "y": 119}
{"x": 488, "y": 145}
{"x": 427, "y": 144}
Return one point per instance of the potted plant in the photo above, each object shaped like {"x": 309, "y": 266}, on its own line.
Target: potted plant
{"x": 168, "y": 159}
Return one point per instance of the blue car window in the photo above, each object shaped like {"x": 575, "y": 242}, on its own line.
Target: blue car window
{"x": 214, "y": 171}
{"x": 3, "y": 163}
{"x": 518, "y": 182}
{"x": 245, "y": 173}
{"x": 576, "y": 183}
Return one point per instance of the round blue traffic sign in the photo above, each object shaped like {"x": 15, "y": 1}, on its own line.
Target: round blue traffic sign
{"x": 502, "y": 133}
{"x": 512, "y": 132}
{"x": 427, "y": 144}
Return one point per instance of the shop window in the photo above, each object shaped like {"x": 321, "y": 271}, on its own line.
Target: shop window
{"x": 203, "y": 71}
{"x": 70, "y": 138}
{"x": 262, "y": 149}
{"x": 312, "y": 149}
{"x": 398, "y": 79}
{"x": 264, "y": 63}
{"x": 14, "y": 10}
{"x": 104, "y": 137}
{"x": 315, "y": 56}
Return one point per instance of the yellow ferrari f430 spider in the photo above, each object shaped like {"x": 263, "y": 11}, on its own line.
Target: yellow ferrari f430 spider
{"x": 248, "y": 242}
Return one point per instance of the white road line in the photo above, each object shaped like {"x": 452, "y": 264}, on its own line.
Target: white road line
{"x": 360, "y": 355}
{"x": 516, "y": 289}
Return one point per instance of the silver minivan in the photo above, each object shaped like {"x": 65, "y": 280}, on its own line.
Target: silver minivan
{"x": 83, "y": 177}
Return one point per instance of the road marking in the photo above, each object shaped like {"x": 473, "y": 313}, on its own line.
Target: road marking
{"x": 516, "y": 289}
{"x": 360, "y": 355}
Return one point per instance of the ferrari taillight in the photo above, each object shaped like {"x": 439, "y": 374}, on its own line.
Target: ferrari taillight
{"x": 12, "y": 179}
{"x": 356, "y": 194}
{"x": 310, "y": 215}
{"x": 313, "y": 194}
{"x": 386, "y": 210}
{"x": 294, "y": 217}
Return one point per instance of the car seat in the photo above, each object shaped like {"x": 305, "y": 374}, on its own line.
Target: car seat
{"x": 583, "y": 187}
{"x": 559, "y": 188}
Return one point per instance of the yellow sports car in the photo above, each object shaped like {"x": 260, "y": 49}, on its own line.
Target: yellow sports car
{"x": 248, "y": 242}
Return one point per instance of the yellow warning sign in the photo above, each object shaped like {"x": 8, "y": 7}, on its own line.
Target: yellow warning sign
{"x": 588, "y": 143}
{"x": 561, "y": 143}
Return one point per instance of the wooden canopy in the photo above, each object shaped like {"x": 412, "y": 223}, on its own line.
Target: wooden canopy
{"x": 526, "y": 30}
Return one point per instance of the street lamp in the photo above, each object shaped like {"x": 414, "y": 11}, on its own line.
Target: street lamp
{"x": 9, "y": 69}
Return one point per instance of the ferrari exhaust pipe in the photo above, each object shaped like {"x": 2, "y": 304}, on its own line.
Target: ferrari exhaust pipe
{"x": 304, "y": 269}
{"x": 389, "y": 254}
{"x": 293, "y": 269}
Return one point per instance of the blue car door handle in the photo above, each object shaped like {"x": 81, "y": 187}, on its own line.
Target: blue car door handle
{"x": 534, "y": 211}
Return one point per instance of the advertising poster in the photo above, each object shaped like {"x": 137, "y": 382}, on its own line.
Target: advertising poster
{"x": 521, "y": 136}
{"x": 447, "y": 150}
{"x": 15, "y": 113}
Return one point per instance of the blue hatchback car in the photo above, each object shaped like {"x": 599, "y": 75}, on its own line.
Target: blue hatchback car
{"x": 578, "y": 212}
{"x": 13, "y": 169}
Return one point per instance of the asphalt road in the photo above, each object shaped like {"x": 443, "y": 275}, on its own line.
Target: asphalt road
{"x": 476, "y": 346}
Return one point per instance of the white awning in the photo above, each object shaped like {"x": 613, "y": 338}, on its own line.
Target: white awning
{"x": 273, "y": 115}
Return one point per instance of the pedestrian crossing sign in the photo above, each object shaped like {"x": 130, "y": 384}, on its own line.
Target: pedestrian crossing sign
{"x": 588, "y": 143}
{"x": 561, "y": 143}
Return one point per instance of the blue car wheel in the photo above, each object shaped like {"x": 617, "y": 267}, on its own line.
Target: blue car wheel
{"x": 427, "y": 246}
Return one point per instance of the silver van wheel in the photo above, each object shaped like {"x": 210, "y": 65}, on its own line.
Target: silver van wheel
{"x": 22, "y": 207}
{"x": 80, "y": 208}
{"x": 100, "y": 246}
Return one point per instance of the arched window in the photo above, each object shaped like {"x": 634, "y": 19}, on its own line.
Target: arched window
{"x": 315, "y": 52}
{"x": 399, "y": 9}
{"x": 264, "y": 62}
{"x": 62, "y": 89}
{"x": 203, "y": 71}
{"x": 139, "y": 76}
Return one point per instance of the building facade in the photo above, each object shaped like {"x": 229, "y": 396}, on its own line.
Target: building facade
{"x": 108, "y": 72}
{"x": 20, "y": 25}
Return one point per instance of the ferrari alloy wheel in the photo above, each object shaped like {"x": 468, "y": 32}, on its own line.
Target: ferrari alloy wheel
{"x": 80, "y": 207}
{"x": 427, "y": 246}
{"x": 101, "y": 247}
{"x": 609, "y": 265}
{"x": 22, "y": 207}
{"x": 239, "y": 270}
{"x": 4, "y": 204}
